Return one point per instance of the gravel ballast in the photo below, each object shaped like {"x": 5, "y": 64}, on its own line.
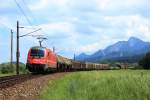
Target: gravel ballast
{"x": 28, "y": 90}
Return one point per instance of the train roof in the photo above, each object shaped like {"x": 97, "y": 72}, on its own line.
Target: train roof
{"x": 38, "y": 47}
{"x": 41, "y": 48}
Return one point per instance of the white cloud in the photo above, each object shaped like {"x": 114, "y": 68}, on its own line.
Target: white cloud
{"x": 131, "y": 25}
{"x": 82, "y": 25}
{"x": 5, "y": 4}
{"x": 102, "y": 42}
{"x": 89, "y": 48}
{"x": 120, "y": 4}
{"x": 57, "y": 26}
{"x": 143, "y": 29}
{"x": 6, "y": 22}
{"x": 45, "y": 4}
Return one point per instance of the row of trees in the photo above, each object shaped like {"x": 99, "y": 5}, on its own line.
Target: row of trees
{"x": 143, "y": 63}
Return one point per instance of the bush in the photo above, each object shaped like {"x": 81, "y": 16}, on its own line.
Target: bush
{"x": 6, "y": 68}
{"x": 22, "y": 69}
{"x": 145, "y": 62}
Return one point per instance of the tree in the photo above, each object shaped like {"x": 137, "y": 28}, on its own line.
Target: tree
{"x": 145, "y": 62}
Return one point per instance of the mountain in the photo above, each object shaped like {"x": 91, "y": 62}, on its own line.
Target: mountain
{"x": 82, "y": 56}
{"x": 133, "y": 49}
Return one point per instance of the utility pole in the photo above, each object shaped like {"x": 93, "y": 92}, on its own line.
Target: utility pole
{"x": 17, "y": 47}
{"x": 74, "y": 57}
{"x": 11, "y": 59}
{"x": 17, "y": 53}
{"x": 54, "y": 49}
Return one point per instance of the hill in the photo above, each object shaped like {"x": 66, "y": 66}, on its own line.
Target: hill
{"x": 127, "y": 51}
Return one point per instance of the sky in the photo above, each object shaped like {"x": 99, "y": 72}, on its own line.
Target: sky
{"x": 72, "y": 26}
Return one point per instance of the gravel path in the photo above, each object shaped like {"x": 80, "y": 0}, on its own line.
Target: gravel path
{"x": 28, "y": 90}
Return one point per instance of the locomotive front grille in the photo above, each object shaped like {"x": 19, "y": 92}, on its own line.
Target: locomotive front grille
{"x": 36, "y": 67}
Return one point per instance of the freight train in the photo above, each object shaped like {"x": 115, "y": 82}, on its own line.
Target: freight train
{"x": 42, "y": 59}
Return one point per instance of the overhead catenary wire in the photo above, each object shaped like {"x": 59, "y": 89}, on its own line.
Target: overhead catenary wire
{"x": 30, "y": 32}
{"x": 27, "y": 18}
{"x": 29, "y": 10}
{"x": 32, "y": 15}
{"x": 22, "y": 11}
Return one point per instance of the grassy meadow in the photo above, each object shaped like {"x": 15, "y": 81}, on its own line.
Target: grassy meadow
{"x": 100, "y": 85}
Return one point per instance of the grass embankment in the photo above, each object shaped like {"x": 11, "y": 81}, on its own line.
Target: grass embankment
{"x": 100, "y": 85}
{"x": 1, "y": 75}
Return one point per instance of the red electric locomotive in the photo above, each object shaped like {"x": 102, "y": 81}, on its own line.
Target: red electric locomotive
{"x": 41, "y": 59}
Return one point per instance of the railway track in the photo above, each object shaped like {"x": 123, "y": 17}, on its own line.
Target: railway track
{"x": 8, "y": 81}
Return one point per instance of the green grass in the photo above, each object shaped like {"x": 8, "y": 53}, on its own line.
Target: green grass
{"x": 100, "y": 85}
{"x": 1, "y": 75}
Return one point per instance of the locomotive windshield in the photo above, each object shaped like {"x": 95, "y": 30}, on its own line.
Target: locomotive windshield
{"x": 37, "y": 53}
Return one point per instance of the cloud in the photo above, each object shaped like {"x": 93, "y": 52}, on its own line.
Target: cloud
{"x": 57, "y": 26}
{"x": 45, "y": 4}
{"x": 75, "y": 26}
{"x": 116, "y": 28}
{"x": 89, "y": 48}
{"x": 117, "y": 5}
